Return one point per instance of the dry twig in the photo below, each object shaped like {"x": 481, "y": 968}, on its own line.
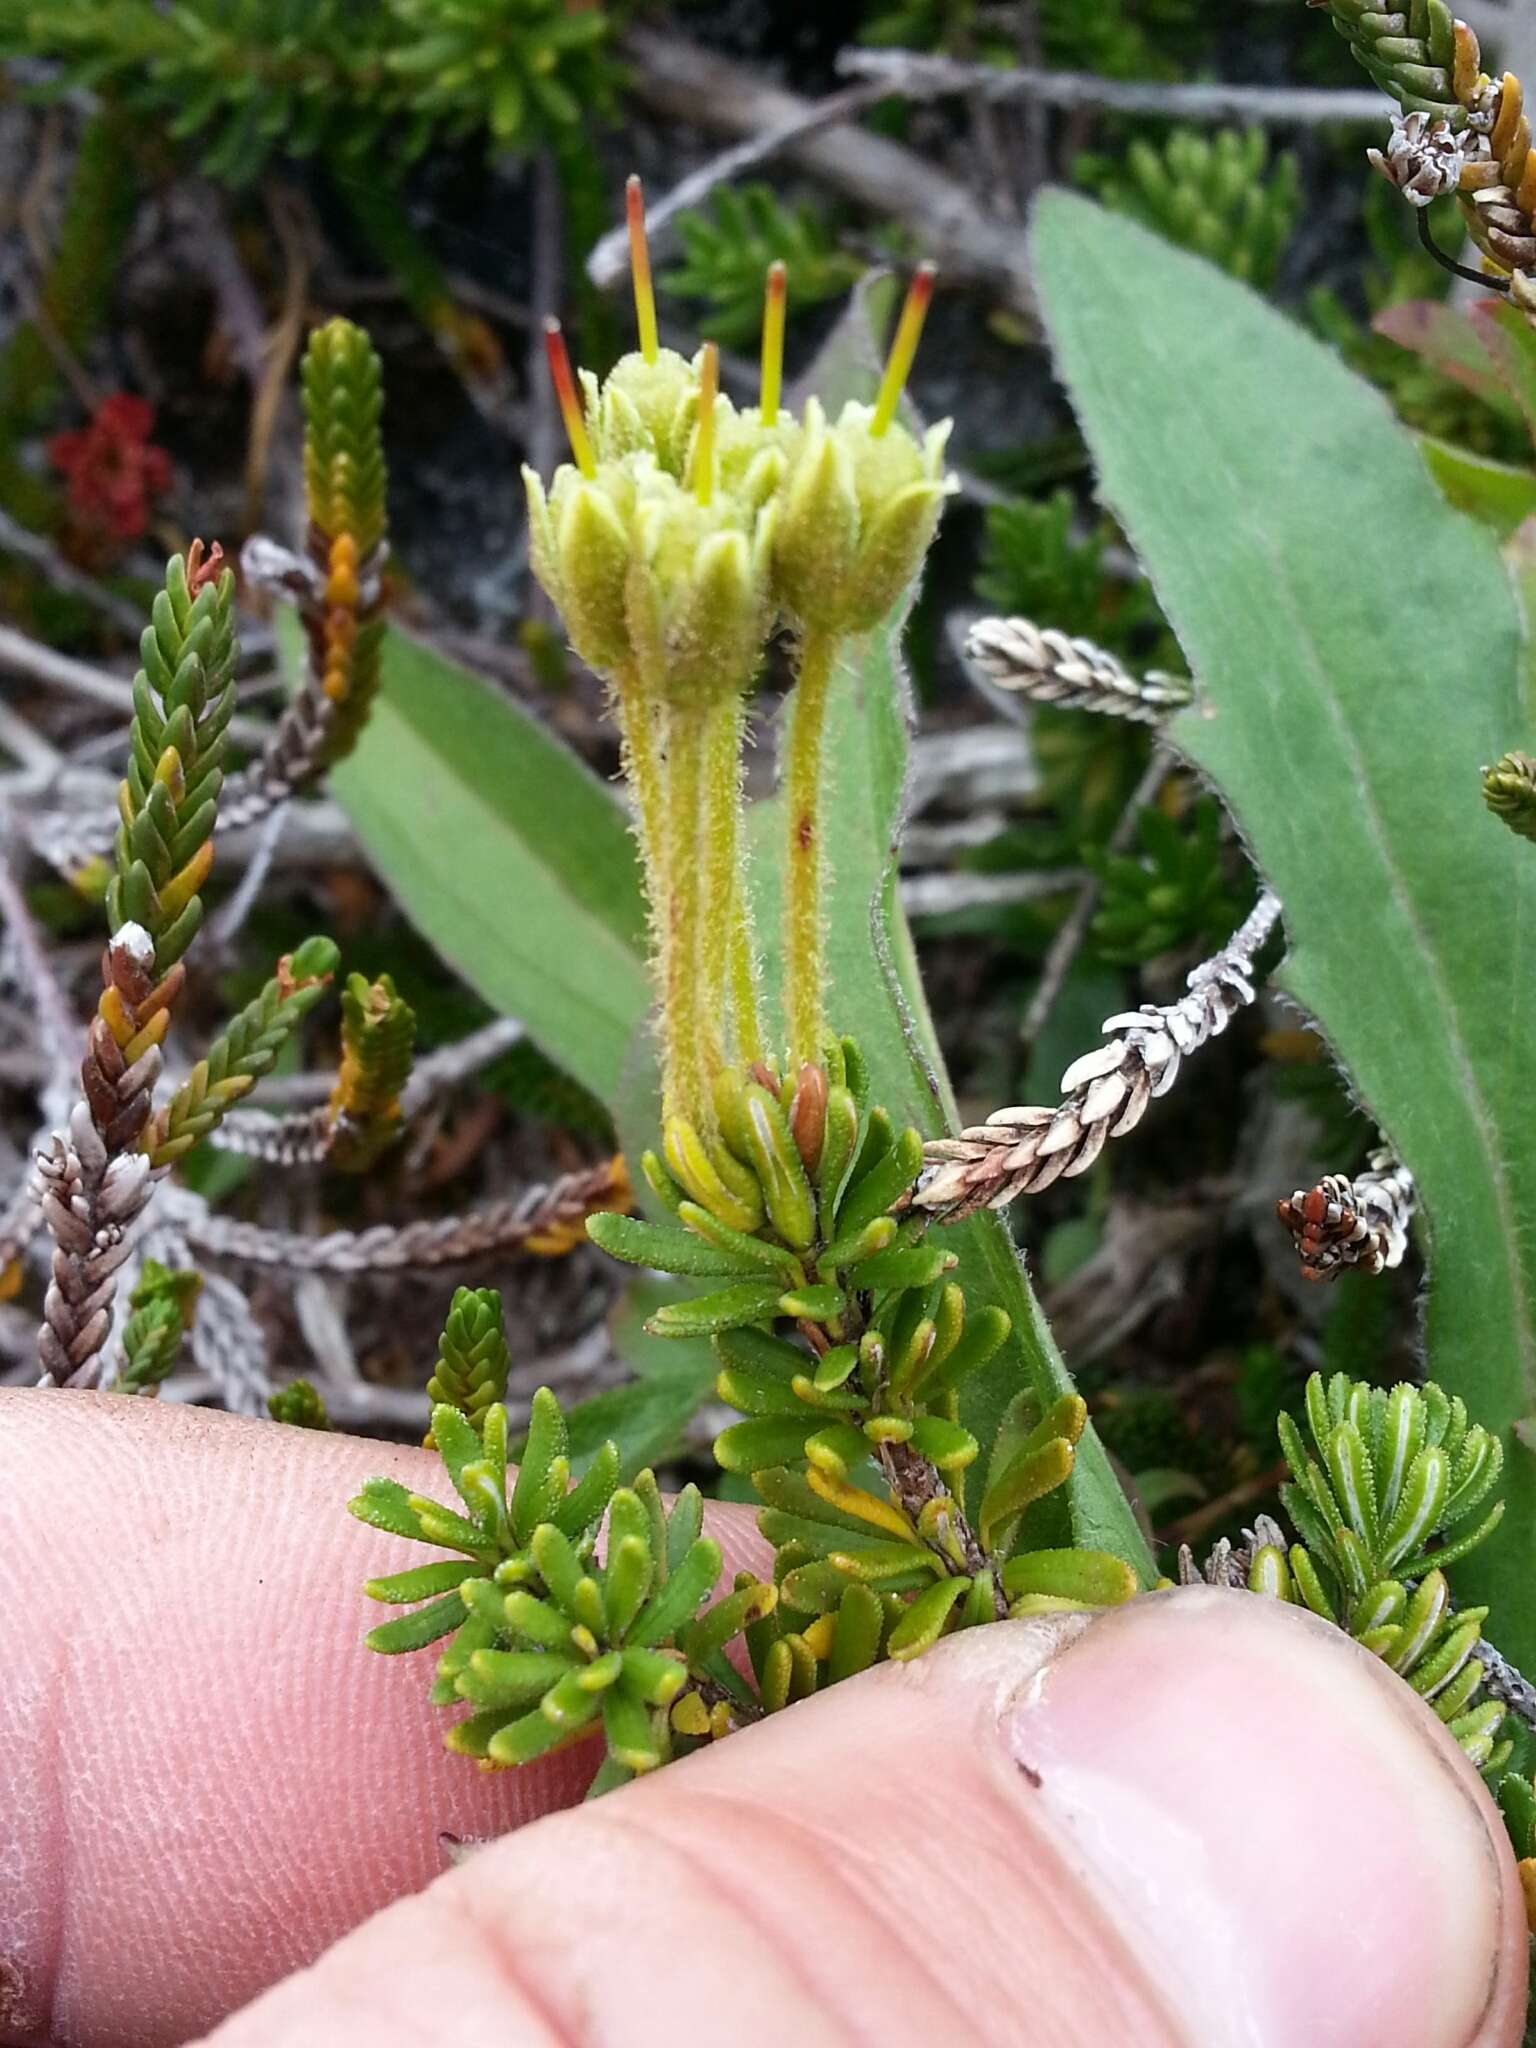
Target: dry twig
{"x": 609, "y": 261}
{"x": 20, "y": 656}
{"x": 1360, "y": 1222}
{"x": 431, "y": 1077}
{"x": 545, "y": 1221}
{"x": 40, "y": 554}
{"x": 944, "y": 894}
{"x": 58, "y": 1028}
{"x": 675, "y": 77}
{"x": 1106, "y": 1092}
{"x": 912, "y": 75}
{"x": 1074, "y": 929}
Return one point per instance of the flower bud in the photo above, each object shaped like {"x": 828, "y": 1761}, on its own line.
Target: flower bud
{"x": 753, "y": 459}
{"x": 860, "y": 510}
{"x": 618, "y": 431}
{"x": 818, "y": 528}
{"x": 763, "y": 1136}
{"x": 580, "y": 548}
{"x": 697, "y": 592}
{"x": 716, "y": 1181}
{"x": 648, "y": 406}
{"x": 891, "y": 550}
{"x": 808, "y": 1114}
{"x": 901, "y": 487}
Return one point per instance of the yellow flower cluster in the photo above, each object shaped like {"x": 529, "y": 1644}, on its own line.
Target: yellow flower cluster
{"x": 684, "y": 532}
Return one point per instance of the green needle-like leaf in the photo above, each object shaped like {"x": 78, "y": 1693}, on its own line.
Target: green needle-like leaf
{"x": 923, "y": 1622}
{"x": 665, "y": 1249}
{"x": 688, "y": 1587}
{"x": 415, "y": 1631}
{"x": 424, "y": 1583}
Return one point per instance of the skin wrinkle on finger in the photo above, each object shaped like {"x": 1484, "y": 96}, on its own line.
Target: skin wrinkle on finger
{"x": 912, "y": 1824}
{"x": 759, "y": 1882}
{"x": 909, "y": 1788}
{"x": 238, "y": 1781}
{"x": 576, "y": 1984}
{"x": 454, "y": 1993}
{"x": 915, "y": 1903}
{"x": 805, "y": 1890}
{"x": 618, "y": 1859}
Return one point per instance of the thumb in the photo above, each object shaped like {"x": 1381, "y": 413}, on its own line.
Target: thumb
{"x": 1202, "y": 1819}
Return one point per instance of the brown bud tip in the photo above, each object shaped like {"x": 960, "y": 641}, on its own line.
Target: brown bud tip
{"x": 289, "y": 983}
{"x": 203, "y": 568}
{"x": 128, "y": 962}
{"x": 808, "y": 1114}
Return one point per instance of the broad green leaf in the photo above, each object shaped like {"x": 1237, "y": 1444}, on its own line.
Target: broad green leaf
{"x": 1511, "y": 345}
{"x": 876, "y": 996}
{"x": 1497, "y": 493}
{"x": 1520, "y": 560}
{"x": 1358, "y": 653}
{"x": 507, "y": 854}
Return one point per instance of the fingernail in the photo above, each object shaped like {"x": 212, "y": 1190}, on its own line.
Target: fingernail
{"x": 1287, "y": 1839}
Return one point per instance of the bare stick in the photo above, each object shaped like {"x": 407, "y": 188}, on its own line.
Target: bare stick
{"x": 609, "y": 261}
{"x": 230, "y": 921}
{"x": 38, "y": 757}
{"x": 41, "y": 555}
{"x": 29, "y": 658}
{"x": 908, "y": 74}
{"x": 438, "y": 1071}
{"x": 58, "y": 1028}
{"x": 942, "y": 894}
{"x": 197, "y": 207}
{"x": 22, "y": 656}
{"x": 453, "y": 1064}
{"x": 675, "y": 77}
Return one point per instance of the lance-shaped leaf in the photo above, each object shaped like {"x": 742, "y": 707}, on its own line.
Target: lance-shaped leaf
{"x": 507, "y": 853}
{"x": 876, "y": 996}
{"x": 1357, "y": 646}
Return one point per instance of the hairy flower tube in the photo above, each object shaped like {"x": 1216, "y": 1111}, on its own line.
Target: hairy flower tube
{"x": 682, "y": 534}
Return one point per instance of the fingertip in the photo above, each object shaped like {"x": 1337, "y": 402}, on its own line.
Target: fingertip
{"x": 1282, "y": 1827}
